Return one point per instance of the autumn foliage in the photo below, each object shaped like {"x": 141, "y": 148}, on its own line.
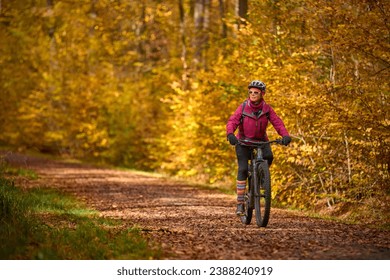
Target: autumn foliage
{"x": 150, "y": 85}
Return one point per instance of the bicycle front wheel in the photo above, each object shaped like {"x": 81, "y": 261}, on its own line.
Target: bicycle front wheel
{"x": 263, "y": 195}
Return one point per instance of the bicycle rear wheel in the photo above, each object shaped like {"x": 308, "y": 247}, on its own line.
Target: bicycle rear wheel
{"x": 248, "y": 202}
{"x": 263, "y": 195}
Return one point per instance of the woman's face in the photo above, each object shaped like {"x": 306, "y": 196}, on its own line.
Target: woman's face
{"x": 255, "y": 95}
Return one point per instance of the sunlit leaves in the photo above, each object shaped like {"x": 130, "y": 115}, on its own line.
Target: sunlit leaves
{"x": 106, "y": 79}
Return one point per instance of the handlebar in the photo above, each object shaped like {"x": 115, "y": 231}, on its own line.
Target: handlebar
{"x": 254, "y": 143}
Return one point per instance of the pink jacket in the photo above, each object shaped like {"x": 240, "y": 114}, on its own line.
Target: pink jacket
{"x": 252, "y": 126}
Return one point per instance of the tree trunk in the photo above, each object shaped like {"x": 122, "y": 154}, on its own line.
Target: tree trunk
{"x": 198, "y": 23}
{"x": 201, "y": 24}
{"x": 241, "y": 13}
{"x": 222, "y": 14}
{"x": 183, "y": 56}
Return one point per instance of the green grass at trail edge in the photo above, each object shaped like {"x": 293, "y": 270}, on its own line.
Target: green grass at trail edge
{"x": 10, "y": 171}
{"x": 45, "y": 224}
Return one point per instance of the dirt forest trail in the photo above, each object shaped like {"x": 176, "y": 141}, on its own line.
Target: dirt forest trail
{"x": 198, "y": 224}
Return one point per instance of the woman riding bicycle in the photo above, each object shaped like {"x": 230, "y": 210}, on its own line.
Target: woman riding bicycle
{"x": 251, "y": 118}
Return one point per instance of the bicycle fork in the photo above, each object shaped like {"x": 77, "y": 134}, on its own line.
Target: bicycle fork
{"x": 255, "y": 166}
{"x": 253, "y": 191}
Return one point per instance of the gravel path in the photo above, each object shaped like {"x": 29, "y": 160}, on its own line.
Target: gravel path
{"x": 196, "y": 223}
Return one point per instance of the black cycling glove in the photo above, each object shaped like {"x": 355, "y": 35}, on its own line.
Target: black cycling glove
{"x": 232, "y": 139}
{"x": 286, "y": 140}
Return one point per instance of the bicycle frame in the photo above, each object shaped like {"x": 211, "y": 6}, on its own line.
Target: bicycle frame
{"x": 253, "y": 194}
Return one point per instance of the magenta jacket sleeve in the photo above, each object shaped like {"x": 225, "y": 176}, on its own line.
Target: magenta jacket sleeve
{"x": 234, "y": 121}
{"x": 277, "y": 123}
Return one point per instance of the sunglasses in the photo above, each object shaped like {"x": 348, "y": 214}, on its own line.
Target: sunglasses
{"x": 254, "y": 92}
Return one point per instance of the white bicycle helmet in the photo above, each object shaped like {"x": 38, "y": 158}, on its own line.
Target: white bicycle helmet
{"x": 257, "y": 84}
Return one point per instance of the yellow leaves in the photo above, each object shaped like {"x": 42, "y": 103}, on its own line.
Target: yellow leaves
{"x": 54, "y": 136}
{"x": 368, "y": 130}
{"x": 112, "y": 83}
{"x": 291, "y": 159}
{"x": 385, "y": 122}
{"x": 308, "y": 149}
{"x": 103, "y": 142}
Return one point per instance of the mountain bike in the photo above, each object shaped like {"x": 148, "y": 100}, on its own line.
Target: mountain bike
{"x": 258, "y": 193}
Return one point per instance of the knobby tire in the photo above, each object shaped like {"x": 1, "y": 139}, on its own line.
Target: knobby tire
{"x": 263, "y": 195}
